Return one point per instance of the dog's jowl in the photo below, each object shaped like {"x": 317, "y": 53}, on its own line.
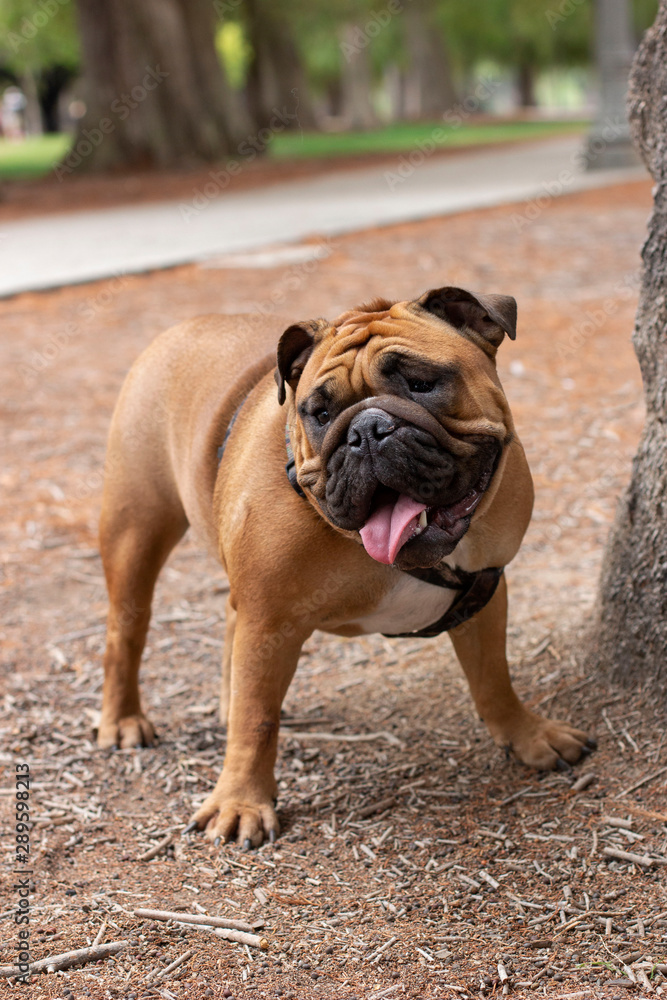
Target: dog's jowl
{"x": 384, "y": 472}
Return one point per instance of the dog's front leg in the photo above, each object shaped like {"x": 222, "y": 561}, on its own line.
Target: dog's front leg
{"x": 264, "y": 658}
{"x": 480, "y": 647}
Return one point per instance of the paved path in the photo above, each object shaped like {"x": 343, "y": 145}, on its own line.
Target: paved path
{"x": 82, "y": 246}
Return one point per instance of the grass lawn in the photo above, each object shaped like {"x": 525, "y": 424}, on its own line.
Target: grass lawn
{"x": 31, "y": 157}
{"x": 34, "y": 157}
{"x": 408, "y": 135}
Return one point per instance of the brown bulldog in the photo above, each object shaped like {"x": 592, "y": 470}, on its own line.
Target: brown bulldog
{"x": 386, "y": 496}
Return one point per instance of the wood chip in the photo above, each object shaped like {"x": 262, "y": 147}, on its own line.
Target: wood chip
{"x": 622, "y": 824}
{"x": 346, "y": 737}
{"x": 635, "y": 859}
{"x": 583, "y": 782}
{"x": 641, "y": 783}
{"x": 489, "y": 879}
{"x": 176, "y": 964}
{"x": 241, "y": 937}
{"x": 375, "y": 807}
{"x": 154, "y": 851}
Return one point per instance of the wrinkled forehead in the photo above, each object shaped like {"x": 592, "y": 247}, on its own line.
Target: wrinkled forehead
{"x": 350, "y": 351}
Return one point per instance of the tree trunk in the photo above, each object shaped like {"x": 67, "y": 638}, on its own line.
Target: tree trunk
{"x": 630, "y": 637}
{"x": 33, "y": 111}
{"x": 526, "y": 85}
{"x": 614, "y": 50}
{"x": 276, "y": 80}
{"x": 356, "y": 78}
{"x": 430, "y": 88}
{"x": 156, "y": 95}
{"x": 52, "y": 82}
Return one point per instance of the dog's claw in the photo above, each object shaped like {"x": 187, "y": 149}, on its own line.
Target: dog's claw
{"x": 272, "y": 836}
{"x": 591, "y": 744}
{"x": 192, "y": 825}
{"x": 217, "y": 841}
{"x": 247, "y": 844}
{"x": 562, "y": 765}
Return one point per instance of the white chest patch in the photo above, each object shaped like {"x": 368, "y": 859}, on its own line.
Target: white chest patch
{"x": 409, "y": 606}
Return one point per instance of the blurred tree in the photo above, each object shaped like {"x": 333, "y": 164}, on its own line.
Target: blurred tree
{"x": 156, "y": 93}
{"x": 276, "y": 79}
{"x": 609, "y": 143}
{"x": 430, "y": 87}
{"x": 631, "y": 623}
{"x": 525, "y": 35}
{"x": 356, "y": 81}
{"x": 39, "y": 50}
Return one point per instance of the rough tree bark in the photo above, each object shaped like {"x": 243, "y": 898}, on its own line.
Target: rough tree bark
{"x": 153, "y": 77}
{"x": 630, "y": 639}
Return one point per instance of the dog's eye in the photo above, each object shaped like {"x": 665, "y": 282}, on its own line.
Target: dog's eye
{"x": 419, "y": 385}
{"x": 322, "y": 416}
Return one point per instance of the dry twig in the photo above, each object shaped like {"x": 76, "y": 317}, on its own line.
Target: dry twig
{"x": 194, "y": 918}
{"x": 67, "y": 959}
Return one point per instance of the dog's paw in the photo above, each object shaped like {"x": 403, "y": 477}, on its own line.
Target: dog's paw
{"x": 228, "y": 817}
{"x": 130, "y": 731}
{"x": 545, "y": 744}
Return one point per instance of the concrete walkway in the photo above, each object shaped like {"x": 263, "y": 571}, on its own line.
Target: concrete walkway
{"x": 67, "y": 249}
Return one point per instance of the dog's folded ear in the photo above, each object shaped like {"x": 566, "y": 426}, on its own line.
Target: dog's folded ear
{"x": 492, "y": 316}
{"x": 294, "y": 348}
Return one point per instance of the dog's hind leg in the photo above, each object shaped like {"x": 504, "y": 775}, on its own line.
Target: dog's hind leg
{"x": 141, "y": 523}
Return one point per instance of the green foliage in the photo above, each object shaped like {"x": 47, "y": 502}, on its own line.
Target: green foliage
{"x": 512, "y": 32}
{"x": 234, "y": 50}
{"x": 407, "y": 136}
{"x": 644, "y": 12}
{"x": 37, "y": 36}
{"x": 32, "y": 157}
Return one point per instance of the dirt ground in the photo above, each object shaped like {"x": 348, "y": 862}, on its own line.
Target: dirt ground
{"x": 413, "y": 861}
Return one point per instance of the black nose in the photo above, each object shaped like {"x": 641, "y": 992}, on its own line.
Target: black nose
{"x": 369, "y": 426}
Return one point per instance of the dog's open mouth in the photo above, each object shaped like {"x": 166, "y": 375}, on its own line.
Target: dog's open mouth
{"x": 395, "y": 519}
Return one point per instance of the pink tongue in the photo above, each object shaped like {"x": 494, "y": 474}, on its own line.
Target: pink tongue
{"x": 389, "y": 527}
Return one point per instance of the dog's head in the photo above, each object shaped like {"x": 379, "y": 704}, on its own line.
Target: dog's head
{"x": 397, "y": 418}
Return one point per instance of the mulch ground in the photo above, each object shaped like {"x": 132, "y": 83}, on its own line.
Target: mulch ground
{"x": 417, "y": 860}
